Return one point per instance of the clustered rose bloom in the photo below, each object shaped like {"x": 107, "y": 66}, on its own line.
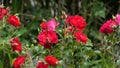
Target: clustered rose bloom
{"x": 77, "y": 25}
{"x": 3, "y": 12}
{"x": 16, "y": 44}
{"x": 13, "y": 20}
{"x": 77, "y": 21}
{"x": 80, "y": 37}
{"x": 41, "y": 65}
{"x": 117, "y": 19}
{"x": 48, "y": 35}
{"x": 107, "y": 27}
{"x": 19, "y": 61}
{"x": 49, "y": 26}
{"x": 51, "y": 60}
{"x": 47, "y": 38}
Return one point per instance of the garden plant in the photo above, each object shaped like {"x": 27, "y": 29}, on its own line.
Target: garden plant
{"x": 64, "y": 40}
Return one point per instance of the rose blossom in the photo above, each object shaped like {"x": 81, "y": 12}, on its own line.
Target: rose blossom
{"x": 19, "y": 61}
{"x": 80, "y": 37}
{"x": 51, "y": 60}
{"x": 47, "y": 38}
{"x": 77, "y": 21}
{"x": 16, "y": 44}
{"x": 44, "y": 26}
{"x": 3, "y": 12}
{"x": 13, "y": 20}
{"x": 107, "y": 26}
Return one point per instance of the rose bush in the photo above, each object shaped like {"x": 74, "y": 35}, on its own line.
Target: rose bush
{"x": 58, "y": 45}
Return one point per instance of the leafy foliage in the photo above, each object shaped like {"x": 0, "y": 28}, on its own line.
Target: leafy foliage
{"x": 101, "y": 51}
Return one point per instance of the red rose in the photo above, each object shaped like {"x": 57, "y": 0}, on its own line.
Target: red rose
{"x": 107, "y": 26}
{"x": 80, "y": 37}
{"x": 51, "y": 60}
{"x": 16, "y": 44}
{"x": 19, "y": 61}
{"x": 41, "y": 65}
{"x": 52, "y": 37}
{"x": 47, "y": 38}
{"x": 4, "y": 11}
{"x": 42, "y": 37}
{"x": 44, "y": 26}
{"x": 78, "y": 22}
{"x": 13, "y": 20}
